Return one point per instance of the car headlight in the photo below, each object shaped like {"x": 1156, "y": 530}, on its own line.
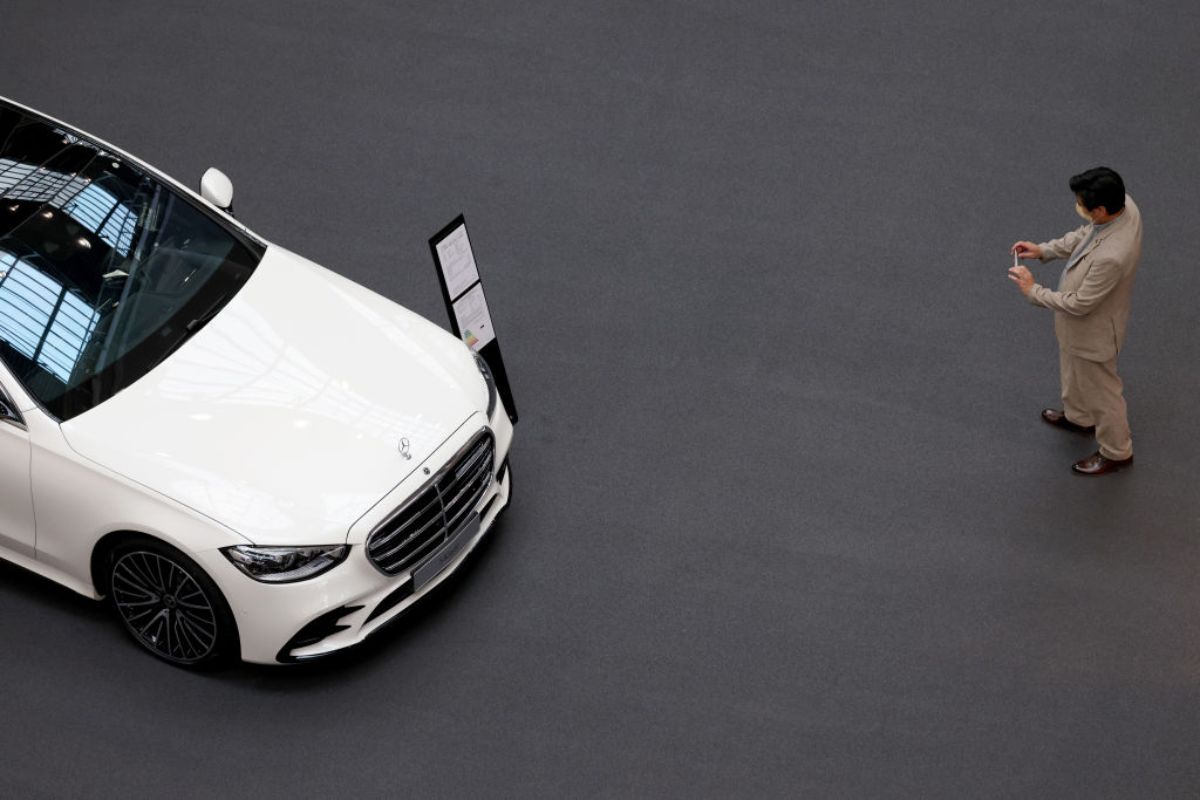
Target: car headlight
{"x": 285, "y": 564}
{"x": 489, "y": 380}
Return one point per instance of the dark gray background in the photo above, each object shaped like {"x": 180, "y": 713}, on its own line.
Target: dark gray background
{"x": 786, "y": 521}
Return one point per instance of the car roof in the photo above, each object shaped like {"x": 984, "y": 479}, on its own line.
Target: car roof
{"x": 149, "y": 168}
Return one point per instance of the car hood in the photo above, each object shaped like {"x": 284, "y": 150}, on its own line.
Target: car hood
{"x": 285, "y": 417}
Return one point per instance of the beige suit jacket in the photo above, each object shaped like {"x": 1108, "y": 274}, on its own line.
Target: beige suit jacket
{"x": 1092, "y": 302}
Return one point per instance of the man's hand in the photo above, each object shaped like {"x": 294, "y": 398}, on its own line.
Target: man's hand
{"x": 1022, "y": 277}
{"x": 1026, "y": 250}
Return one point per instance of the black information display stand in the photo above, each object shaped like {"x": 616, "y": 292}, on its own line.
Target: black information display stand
{"x": 466, "y": 304}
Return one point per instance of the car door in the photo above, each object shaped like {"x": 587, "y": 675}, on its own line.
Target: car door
{"x": 16, "y": 499}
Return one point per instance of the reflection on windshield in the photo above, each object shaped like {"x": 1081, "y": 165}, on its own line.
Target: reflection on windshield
{"x": 91, "y": 205}
{"x": 41, "y": 319}
{"x": 103, "y": 270}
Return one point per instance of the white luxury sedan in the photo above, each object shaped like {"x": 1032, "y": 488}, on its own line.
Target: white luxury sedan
{"x": 246, "y": 454}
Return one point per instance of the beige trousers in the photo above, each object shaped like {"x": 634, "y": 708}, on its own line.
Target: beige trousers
{"x": 1091, "y": 395}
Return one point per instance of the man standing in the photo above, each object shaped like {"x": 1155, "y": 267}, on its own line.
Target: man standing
{"x": 1091, "y": 309}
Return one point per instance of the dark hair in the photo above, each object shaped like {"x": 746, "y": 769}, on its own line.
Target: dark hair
{"x": 1100, "y": 186}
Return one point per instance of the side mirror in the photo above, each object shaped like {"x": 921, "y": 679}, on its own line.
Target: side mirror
{"x": 217, "y": 189}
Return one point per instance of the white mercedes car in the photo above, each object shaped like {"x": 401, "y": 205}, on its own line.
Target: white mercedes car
{"x": 246, "y": 454}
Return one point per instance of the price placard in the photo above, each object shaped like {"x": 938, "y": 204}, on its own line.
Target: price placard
{"x": 466, "y": 303}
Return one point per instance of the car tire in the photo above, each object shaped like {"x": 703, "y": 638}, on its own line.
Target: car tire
{"x": 167, "y": 603}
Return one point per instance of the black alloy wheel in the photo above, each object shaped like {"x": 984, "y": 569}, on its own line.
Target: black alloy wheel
{"x": 170, "y": 606}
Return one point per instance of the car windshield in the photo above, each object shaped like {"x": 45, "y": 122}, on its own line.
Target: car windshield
{"x": 104, "y": 270}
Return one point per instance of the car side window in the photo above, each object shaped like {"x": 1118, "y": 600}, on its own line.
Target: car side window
{"x": 8, "y": 409}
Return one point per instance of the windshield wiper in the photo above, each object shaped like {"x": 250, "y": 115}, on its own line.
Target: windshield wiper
{"x": 202, "y": 320}
{"x": 191, "y": 328}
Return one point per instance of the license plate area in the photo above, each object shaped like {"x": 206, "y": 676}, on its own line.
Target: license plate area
{"x": 433, "y": 566}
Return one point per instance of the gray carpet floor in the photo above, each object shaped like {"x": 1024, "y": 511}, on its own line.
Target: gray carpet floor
{"x": 787, "y": 523}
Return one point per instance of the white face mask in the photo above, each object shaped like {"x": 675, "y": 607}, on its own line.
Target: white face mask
{"x": 1083, "y": 212}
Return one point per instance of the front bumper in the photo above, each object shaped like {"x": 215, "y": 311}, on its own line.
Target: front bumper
{"x": 293, "y": 622}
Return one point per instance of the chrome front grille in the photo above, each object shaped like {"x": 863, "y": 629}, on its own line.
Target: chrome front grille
{"x": 431, "y": 516}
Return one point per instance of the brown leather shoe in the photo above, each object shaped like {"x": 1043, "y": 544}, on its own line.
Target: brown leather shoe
{"x": 1096, "y": 464}
{"x": 1058, "y": 419}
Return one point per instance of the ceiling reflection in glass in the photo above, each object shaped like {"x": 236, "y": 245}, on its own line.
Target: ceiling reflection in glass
{"x": 104, "y": 270}
{"x": 41, "y": 319}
